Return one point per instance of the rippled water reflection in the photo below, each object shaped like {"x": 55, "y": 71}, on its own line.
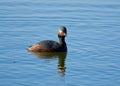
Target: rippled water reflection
{"x": 50, "y": 55}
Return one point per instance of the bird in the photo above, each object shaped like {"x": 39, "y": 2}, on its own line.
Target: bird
{"x": 50, "y": 45}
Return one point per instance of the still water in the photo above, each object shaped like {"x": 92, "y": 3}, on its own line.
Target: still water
{"x": 93, "y": 40}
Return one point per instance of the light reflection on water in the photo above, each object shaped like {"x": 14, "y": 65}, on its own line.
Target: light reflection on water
{"x": 50, "y": 55}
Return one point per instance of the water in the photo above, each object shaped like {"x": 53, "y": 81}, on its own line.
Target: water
{"x": 93, "y": 42}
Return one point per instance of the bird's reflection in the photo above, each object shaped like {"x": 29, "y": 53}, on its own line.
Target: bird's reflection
{"x": 49, "y": 55}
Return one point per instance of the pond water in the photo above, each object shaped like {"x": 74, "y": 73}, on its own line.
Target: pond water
{"x": 93, "y": 41}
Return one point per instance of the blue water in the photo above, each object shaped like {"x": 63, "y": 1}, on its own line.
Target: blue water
{"x": 93, "y": 40}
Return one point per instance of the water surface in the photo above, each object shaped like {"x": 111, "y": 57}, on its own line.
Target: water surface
{"x": 93, "y": 42}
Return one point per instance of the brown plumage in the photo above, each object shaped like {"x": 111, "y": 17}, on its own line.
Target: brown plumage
{"x": 52, "y": 46}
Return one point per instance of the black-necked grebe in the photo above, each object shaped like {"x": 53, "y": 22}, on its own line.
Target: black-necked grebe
{"x": 52, "y": 46}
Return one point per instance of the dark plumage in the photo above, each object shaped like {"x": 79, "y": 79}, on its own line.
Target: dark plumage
{"x": 52, "y": 46}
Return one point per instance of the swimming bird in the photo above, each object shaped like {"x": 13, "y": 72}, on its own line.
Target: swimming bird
{"x": 50, "y": 45}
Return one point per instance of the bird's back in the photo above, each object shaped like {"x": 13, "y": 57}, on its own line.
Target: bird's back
{"x": 49, "y": 44}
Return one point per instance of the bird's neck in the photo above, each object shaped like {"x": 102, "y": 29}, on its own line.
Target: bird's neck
{"x": 62, "y": 41}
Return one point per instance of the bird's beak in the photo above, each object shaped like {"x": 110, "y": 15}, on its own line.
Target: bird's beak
{"x": 62, "y": 33}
